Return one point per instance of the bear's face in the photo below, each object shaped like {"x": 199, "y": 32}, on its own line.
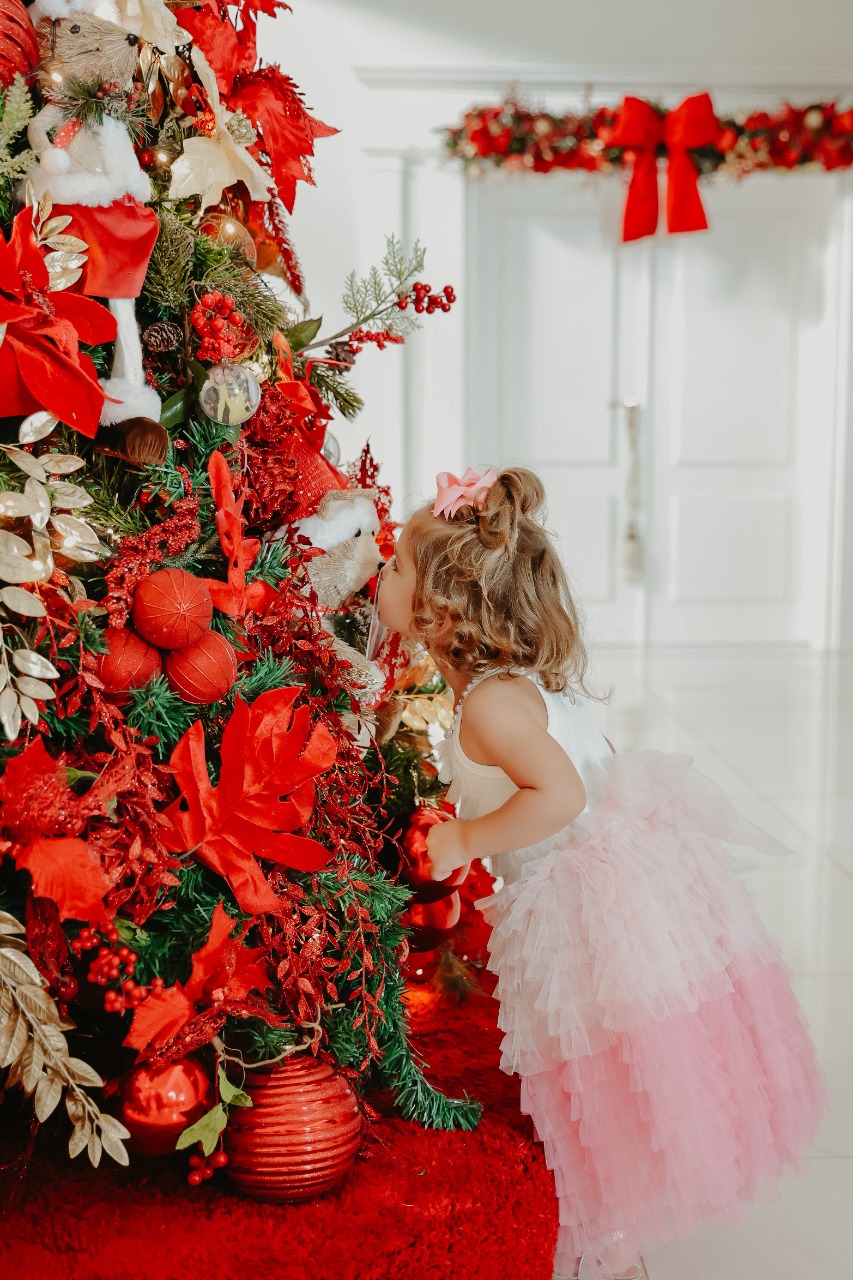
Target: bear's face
{"x": 85, "y": 48}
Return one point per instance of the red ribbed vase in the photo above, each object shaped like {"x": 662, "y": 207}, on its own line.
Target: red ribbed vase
{"x": 300, "y": 1137}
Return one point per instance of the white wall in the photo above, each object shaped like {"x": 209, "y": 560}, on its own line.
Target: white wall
{"x": 388, "y": 73}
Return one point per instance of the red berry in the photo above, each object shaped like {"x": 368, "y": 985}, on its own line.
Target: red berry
{"x": 123, "y": 953}
{"x": 207, "y": 1172}
{"x": 419, "y": 307}
{"x": 194, "y": 1178}
{"x": 208, "y": 300}
{"x": 218, "y": 1159}
{"x": 237, "y": 318}
{"x": 196, "y": 1162}
{"x": 402, "y": 303}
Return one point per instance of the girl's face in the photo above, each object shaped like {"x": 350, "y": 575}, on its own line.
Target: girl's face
{"x": 397, "y": 589}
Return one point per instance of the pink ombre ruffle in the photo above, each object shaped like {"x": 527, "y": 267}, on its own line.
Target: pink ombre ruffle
{"x": 664, "y": 1058}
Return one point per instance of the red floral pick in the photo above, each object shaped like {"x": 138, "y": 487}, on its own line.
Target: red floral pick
{"x": 41, "y": 365}
{"x": 223, "y": 969}
{"x": 270, "y": 756}
{"x": 235, "y": 597}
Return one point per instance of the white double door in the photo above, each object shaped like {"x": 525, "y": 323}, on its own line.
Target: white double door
{"x": 720, "y": 350}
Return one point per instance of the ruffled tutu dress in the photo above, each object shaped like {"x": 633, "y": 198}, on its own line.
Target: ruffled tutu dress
{"x": 663, "y": 1056}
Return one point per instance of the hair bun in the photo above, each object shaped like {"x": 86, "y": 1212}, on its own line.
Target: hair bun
{"x": 518, "y": 494}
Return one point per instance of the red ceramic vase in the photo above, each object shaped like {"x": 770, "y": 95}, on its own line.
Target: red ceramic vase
{"x": 300, "y": 1136}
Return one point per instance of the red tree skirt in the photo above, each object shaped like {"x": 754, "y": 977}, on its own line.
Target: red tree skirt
{"x": 418, "y": 1204}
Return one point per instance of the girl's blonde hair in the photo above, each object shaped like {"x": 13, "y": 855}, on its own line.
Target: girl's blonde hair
{"x": 491, "y": 591}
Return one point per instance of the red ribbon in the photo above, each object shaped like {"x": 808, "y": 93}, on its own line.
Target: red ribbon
{"x": 641, "y": 129}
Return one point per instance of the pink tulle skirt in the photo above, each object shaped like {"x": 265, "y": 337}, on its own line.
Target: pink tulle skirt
{"x": 665, "y": 1061}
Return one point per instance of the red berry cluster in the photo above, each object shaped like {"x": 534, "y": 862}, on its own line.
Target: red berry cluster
{"x": 202, "y": 1167}
{"x": 381, "y": 337}
{"x": 425, "y": 300}
{"x": 223, "y": 330}
{"x": 107, "y": 967}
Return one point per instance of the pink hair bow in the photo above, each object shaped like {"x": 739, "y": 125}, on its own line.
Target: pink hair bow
{"x": 453, "y": 493}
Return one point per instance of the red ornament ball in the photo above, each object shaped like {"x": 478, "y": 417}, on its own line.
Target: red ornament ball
{"x": 128, "y": 663}
{"x": 432, "y": 922}
{"x": 204, "y": 672}
{"x": 19, "y": 51}
{"x": 172, "y": 609}
{"x": 416, "y": 868}
{"x": 156, "y": 1106}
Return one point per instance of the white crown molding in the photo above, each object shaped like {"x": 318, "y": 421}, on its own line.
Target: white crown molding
{"x": 609, "y": 81}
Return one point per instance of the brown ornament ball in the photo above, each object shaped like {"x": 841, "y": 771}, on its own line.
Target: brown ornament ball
{"x": 128, "y": 663}
{"x": 203, "y": 673}
{"x": 172, "y": 609}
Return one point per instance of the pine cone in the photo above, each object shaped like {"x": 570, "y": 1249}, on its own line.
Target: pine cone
{"x": 163, "y": 336}
{"x": 341, "y": 351}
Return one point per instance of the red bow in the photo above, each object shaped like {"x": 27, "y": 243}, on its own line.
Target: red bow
{"x": 641, "y": 129}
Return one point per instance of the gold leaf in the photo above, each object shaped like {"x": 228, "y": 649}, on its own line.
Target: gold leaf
{"x": 32, "y": 1062}
{"x": 25, "y": 462}
{"x": 70, "y": 497}
{"x": 34, "y": 664}
{"x": 43, "y": 555}
{"x": 60, "y": 464}
{"x": 56, "y": 1040}
{"x": 75, "y": 1107}
{"x": 7, "y": 1031}
{"x": 23, "y": 602}
{"x": 113, "y": 1146}
{"x": 9, "y": 924}
{"x": 93, "y": 1147}
{"x": 16, "y": 1045}
{"x": 79, "y": 1138}
{"x": 74, "y": 243}
{"x": 48, "y": 1093}
{"x": 38, "y": 503}
{"x": 37, "y": 1003}
{"x": 16, "y": 504}
{"x": 60, "y": 260}
{"x": 10, "y": 714}
{"x": 83, "y": 1073}
{"x": 77, "y": 532}
{"x": 34, "y": 688}
{"x": 12, "y": 543}
{"x": 19, "y": 968}
{"x": 45, "y": 206}
{"x": 64, "y": 279}
{"x": 109, "y": 1124}
{"x": 37, "y": 426}
{"x": 54, "y": 225}
{"x": 14, "y": 568}
{"x": 29, "y": 709}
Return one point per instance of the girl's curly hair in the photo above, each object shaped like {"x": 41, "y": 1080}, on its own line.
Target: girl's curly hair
{"x": 491, "y": 591}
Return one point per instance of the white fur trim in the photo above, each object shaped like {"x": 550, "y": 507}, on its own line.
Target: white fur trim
{"x": 136, "y": 401}
{"x": 344, "y": 521}
{"x": 54, "y": 161}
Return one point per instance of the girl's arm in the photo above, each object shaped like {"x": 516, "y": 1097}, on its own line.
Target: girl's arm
{"x": 505, "y": 725}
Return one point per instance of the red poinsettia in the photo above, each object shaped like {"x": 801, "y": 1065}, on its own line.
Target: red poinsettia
{"x": 235, "y": 597}
{"x": 270, "y": 756}
{"x": 223, "y": 970}
{"x": 41, "y": 365}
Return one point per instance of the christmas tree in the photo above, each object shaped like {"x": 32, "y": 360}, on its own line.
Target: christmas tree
{"x": 205, "y": 779}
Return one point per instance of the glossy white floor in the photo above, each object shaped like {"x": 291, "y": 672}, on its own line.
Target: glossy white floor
{"x": 775, "y": 729}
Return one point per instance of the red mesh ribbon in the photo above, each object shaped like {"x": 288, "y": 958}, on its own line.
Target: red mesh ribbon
{"x": 641, "y": 129}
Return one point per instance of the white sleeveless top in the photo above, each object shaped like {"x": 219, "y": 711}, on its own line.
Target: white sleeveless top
{"x": 477, "y": 789}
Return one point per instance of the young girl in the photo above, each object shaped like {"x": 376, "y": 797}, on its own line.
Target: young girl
{"x": 663, "y": 1056}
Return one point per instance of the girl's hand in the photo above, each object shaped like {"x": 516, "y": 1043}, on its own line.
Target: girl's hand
{"x": 446, "y": 848}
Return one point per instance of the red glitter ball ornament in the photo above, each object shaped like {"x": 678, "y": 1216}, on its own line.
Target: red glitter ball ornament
{"x": 129, "y": 662}
{"x": 204, "y": 672}
{"x": 19, "y": 51}
{"x": 157, "y": 1105}
{"x": 172, "y": 609}
{"x": 432, "y": 922}
{"x": 416, "y": 868}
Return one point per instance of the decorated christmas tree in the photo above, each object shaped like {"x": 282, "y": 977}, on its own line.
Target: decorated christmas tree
{"x": 206, "y": 779}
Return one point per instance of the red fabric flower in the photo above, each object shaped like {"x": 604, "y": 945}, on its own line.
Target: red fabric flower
{"x": 41, "y": 365}
{"x": 235, "y": 597}
{"x": 270, "y": 757}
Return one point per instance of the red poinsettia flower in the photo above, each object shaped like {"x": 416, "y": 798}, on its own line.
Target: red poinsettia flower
{"x": 223, "y": 969}
{"x": 41, "y": 365}
{"x": 235, "y": 597}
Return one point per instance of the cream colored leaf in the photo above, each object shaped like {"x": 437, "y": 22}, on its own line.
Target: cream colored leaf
{"x": 5, "y": 1005}
{"x": 44, "y": 208}
{"x": 13, "y": 1079}
{"x": 84, "y": 555}
{"x": 64, "y": 279}
{"x": 25, "y": 462}
{"x": 61, "y": 464}
{"x": 23, "y": 602}
{"x": 48, "y": 1093}
{"x": 72, "y": 243}
{"x": 10, "y": 714}
{"x": 15, "y": 1048}
{"x": 93, "y": 1147}
{"x": 32, "y": 1062}
{"x": 19, "y": 968}
{"x": 16, "y": 569}
{"x": 56, "y": 1041}
{"x": 34, "y": 688}
{"x": 16, "y": 504}
{"x": 11, "y": 543}
{"x": 42, "y": 555}
{"x": 37, "y": 1003}
{"x": 83, "y": 1073}
{"x": 70, "y": 497}
{"x": 60, "y": 260}
{"x": 8, "y": 1030}
{"x": 75, "y": 1107}
{"x": 10, "y": 923}
{"x": 34, "y": 664}
{"x": 53, "y": 226}
{"x": 37, "y": 426}
{"x": 75, "y": 531}
{"x": 29, "y": 709}
{"x": 39, "y": 501}
{"x": 113, "y": 1146}
{"x": 79, "y": 1138}
{"x": 109, "y": 1124}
